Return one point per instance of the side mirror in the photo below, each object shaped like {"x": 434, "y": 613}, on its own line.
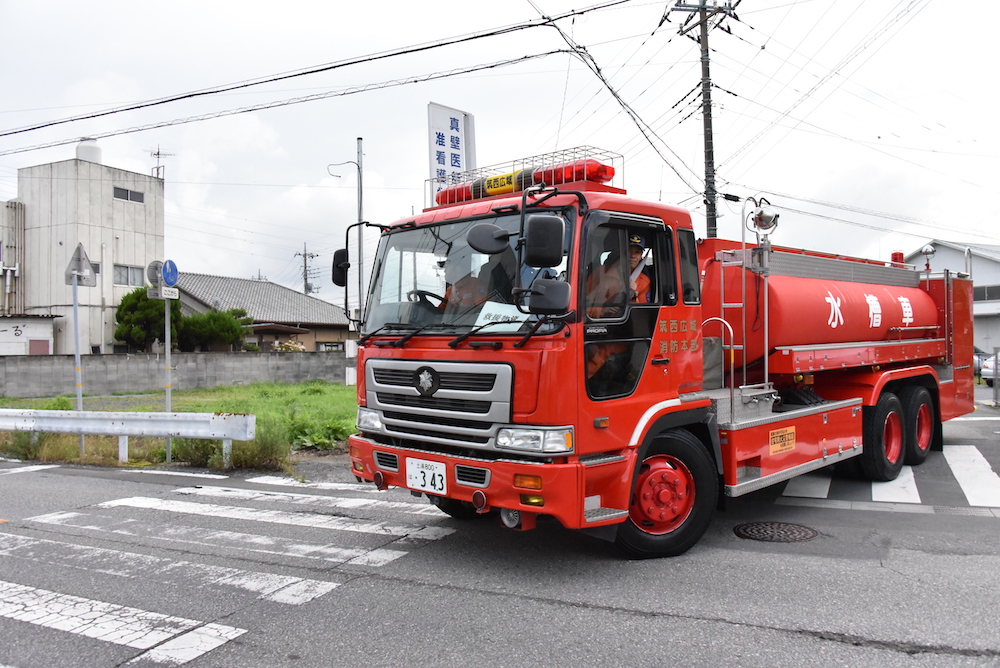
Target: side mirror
{"x": 340, "y": 267}
{"x": 549, "y": 297}
{"x": 543, "y": 240}
{"x": 488, "y": 238}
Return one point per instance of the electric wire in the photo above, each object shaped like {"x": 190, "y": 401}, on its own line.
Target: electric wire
{"x": 591, "y": 63}
{"x": 284, "y": 103}
{"x": 533, "y": 23}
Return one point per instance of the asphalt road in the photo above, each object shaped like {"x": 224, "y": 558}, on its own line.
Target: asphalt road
{"x": 103, "y": 567}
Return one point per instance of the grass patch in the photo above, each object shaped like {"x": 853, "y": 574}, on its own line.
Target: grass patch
{"x": 315, "y": 415}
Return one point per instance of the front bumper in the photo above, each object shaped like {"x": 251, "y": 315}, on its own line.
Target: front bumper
{"x": 580, "y": 494}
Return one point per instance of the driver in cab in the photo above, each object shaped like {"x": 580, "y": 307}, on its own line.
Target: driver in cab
{"x": 464, "y": 290}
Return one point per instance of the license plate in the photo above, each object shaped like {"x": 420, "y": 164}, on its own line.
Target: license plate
{"x": 426, "y": 476}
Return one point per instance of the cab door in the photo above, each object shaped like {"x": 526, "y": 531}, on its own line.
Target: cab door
{"x": 627, "y": 276}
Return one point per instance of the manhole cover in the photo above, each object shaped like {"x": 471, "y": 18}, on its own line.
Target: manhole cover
{"x": 775, "y": 532}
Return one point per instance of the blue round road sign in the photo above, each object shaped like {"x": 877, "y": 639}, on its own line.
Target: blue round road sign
{"x": 169, "y": 273}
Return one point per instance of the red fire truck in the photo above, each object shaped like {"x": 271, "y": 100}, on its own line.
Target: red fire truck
{"x": 540, "y": 343}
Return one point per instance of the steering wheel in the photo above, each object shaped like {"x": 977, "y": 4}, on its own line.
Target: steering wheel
{"x": 422, "y": 297}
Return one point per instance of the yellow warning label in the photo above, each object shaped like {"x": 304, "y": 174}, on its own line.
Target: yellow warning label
{"x": 782, "y": 440}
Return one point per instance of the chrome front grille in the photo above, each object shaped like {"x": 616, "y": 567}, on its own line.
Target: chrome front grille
{"x": 465, "y": 408}
{"x": 473, "y": 382}
{"x": 455, "y": 405}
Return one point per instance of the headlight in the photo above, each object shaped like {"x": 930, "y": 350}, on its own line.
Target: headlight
{"x": 368, "y": 420}
{"x": 536, "y": 440}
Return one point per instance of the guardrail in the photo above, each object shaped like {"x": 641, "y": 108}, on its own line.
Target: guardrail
{"x": 228, "y": 427}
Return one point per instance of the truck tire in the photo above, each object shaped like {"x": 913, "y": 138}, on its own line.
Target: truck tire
{"x": 918, "y": 411}
{"x": 884, "y": 441}
{"x": 674, "y": 494}
{"x": 460, "y": 510}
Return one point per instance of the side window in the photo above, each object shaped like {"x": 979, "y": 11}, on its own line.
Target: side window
{"x": 687, "y": 249}
{"x": 605, "y": 273}
{"x": 620, "y": 268}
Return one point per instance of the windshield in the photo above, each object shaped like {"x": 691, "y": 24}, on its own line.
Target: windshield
{"x": 430, "y": 277}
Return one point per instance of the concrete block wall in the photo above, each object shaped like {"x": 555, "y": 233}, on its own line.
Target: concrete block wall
{"x": 51, "y": 375}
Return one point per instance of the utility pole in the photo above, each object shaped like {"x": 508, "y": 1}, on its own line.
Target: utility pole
{"x": 706, "y": 12}
{"x": 306, "y": 256}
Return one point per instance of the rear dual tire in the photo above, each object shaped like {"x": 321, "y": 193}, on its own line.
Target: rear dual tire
{"x": 884, "y": 441}
{"x": 921, "y": 423}
{"x": 897, "y": 430}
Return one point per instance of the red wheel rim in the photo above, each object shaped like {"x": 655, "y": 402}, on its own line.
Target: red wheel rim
{"x": 892, "y": 437}
{"x": 924, "y": 427}
{"x": 664, "y": 495}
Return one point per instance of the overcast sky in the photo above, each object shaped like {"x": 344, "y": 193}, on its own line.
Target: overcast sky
{"x": 871, "y": 124}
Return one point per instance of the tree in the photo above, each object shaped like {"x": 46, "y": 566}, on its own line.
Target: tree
{"x": 140, "y": 319}
{"x": 212, "y": 328}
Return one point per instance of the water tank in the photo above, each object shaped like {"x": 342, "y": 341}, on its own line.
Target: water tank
{"x": 814, "y": 311}
{"x": 88, "y": 150}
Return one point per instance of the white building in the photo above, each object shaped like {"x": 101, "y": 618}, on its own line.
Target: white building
{"x": 118, "y": 217}
{"x": 984, "y": 263}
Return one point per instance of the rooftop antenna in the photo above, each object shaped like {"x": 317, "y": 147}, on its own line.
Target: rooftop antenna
{"x": 159, "y": 171}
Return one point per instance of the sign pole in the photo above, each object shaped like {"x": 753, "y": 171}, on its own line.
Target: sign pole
{"x": 164, "y": 276}
{"x": 166, "y": 338}
{"x": 79, "y": 272}
{"x": 76, "y": 355}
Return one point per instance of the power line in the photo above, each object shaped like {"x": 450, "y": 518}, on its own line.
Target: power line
{"x": 844, "y": 62}
{"x": 922, "y": 222}
{"x": 588, "y": 60}
{"x": 288, "y": 102}
{"x": 534, "y": 23}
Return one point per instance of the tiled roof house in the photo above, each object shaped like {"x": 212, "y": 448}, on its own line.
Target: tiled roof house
{"x": 279, "y": 314}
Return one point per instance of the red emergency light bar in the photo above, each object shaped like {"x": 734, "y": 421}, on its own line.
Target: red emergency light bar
{"x": 512, "y": 182}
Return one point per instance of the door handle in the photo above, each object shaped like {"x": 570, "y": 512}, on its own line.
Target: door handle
{"x": 661, "y": 360}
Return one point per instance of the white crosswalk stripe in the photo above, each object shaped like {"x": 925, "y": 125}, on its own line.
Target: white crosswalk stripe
{"x": 280, "y": 517}
{"x": 312, "y": 499}
{"x": 333, "y": 486}
{"x": 28, "y": 469}
{"x": 973, "y": 474}
{"x": 901, "y": 490}
{"x": 280, "y": 588}
{"x": 118, "y": 624}
{"x": 197, "y": 538}
{"x": 209, "y": 538}
{"x": 181, "y": 474}
{"x": 978, "y": 480}
{"x": 811, "y": 485}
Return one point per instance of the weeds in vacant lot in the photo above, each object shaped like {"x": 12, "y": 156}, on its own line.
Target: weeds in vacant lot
{"x": 315, "y": 415}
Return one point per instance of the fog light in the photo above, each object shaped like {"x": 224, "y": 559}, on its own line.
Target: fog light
{"x": 358, "y": 466}
{"x": 527, "y": 481}
{"x": 532, "y": 500}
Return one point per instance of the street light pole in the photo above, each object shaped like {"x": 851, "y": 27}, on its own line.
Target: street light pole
{"x": 361, "y": 236}
{"x": 361, "y": 241}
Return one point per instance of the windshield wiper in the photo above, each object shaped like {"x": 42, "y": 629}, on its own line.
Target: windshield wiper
{"x": 401, "y": 342}
{"x": 389, "y": 325}
{"x": 541, "y": 321}
{"x": 456, "y": 342}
